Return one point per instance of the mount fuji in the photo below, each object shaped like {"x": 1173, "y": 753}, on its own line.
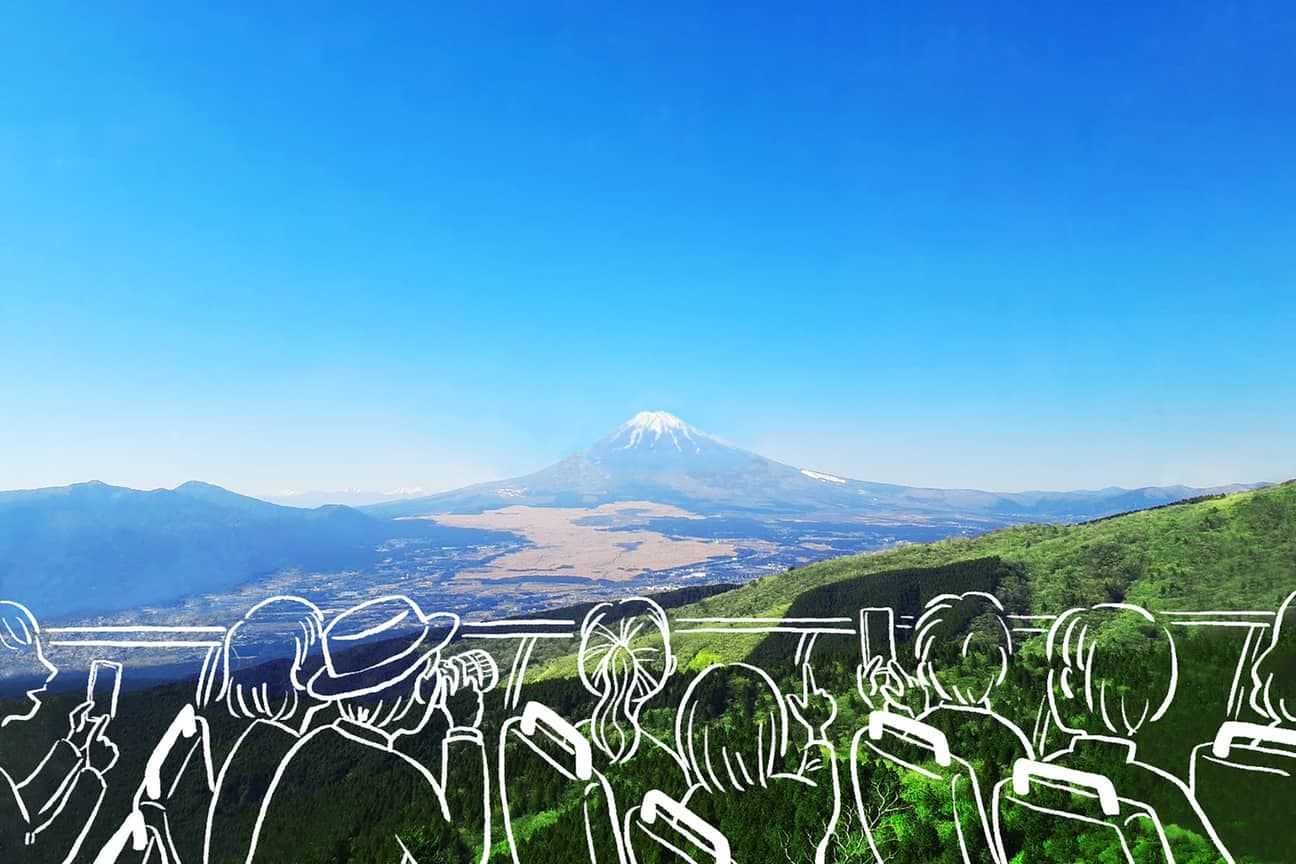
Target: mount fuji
{"x": 657, "y": 457}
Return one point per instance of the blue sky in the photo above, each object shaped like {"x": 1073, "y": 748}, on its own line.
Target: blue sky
{"x": 1008, "y": 249}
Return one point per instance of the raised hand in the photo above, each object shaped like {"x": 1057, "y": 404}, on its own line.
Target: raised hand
{"x": 100, "y": 752}
{"x": 887, "y": 686}
{"x": 813, "y": 706}
{"x": 81, "y": 725}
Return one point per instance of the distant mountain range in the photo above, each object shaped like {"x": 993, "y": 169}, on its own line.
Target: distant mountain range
{"x": 92, "y": 546}
{"x": 657, "y": 457}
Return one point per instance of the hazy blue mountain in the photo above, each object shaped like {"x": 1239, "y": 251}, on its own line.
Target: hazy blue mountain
{"x": 658, "y": 457}
{"x": 92, "y": 546}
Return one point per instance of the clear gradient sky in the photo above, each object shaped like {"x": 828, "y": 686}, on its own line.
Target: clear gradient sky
{"x": 324, "y": 247}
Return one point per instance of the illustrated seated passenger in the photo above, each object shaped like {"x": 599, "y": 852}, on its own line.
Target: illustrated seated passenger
{"x": 1113, "y": 671}
{"x": 963, "y": 648}
{"x": 383, "y": 671}
{"x": 272, "y": 695}
{"x": 49, "y": 798}
{"x": 1245, "y": 778}
{"x": 625, "y": 660}
{"x": 752, "y": 750}
{"x": 260, "y": 675}
{"x": 944, "y": 743}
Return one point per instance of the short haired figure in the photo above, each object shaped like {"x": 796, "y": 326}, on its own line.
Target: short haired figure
{"x": 962, "y": 648}
{"x": 1114, "y": 671}
{"x": 267, "y": 657}
{"x": 265, "y": 661}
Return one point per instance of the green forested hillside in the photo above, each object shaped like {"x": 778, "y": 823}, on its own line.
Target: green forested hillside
{"x": 1233, "y": 552}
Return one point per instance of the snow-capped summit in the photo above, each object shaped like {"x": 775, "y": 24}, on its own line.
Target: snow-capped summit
{"x": 648, "y": 428}
{"x": 657, "y": 457}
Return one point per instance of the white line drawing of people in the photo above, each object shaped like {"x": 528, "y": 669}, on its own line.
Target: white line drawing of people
{"x": 46, "y": 812}
{"x": 939, "y": 722}
{"x": 625, "y": 660}
{"x": 1113, "y": 670}
{"x": 963, "y": 646}
{"x": 257, "y": 676}
{"x": 1257, "y": 756}
{"x": 280, "y": 710}
{"x": 383, "y": 671}
{"x": 747, "y": 745}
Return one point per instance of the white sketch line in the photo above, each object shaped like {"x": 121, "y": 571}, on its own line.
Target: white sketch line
{"x": 518, "y": 635}
{"x": 135, "y": 628}
{"x": 1250, "y": 625}
{"x": 129, "y": 643}
{"x": 881, "y": 721}
{"x": 522, "y": 622}
{"x": 104, "y": 699}
{"x": 710, "y": 759}
{"x": 543, "y": 734}
{"x": 58, "y": 801}
{"x": 1220, "y": 614}
{"x": 763, "y": 620}
{"x": 1243, "y": 664}
{"x": 773, "y": 628}
{"x": 658, "y": 807}
{"x": 1026, "y": 770}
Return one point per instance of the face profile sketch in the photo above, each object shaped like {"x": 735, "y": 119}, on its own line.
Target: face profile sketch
{"x": 749, "y": 746}
{"x": 938, "y": 723}
{"x": 1113, "y": 671}
{"x": 1257, "y": 755}
{"x": 23, "y": 657}
{"x": 48, "y": 808}
{"x": 624, "y": 660}
{"x": 384, "y": 673}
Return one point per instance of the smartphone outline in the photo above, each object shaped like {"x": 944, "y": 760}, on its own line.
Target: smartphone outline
{"x": 877, "y": 634}
{"x": 96, "y": 693}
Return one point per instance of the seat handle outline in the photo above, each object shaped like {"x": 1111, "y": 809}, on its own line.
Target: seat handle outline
{"x": 881, "y": 721}
{"x": 657, "y": 802}
{"x": 1234, "y": 730}
{"x": 1025, "y": 770}
{"x": 537, "y": 714}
